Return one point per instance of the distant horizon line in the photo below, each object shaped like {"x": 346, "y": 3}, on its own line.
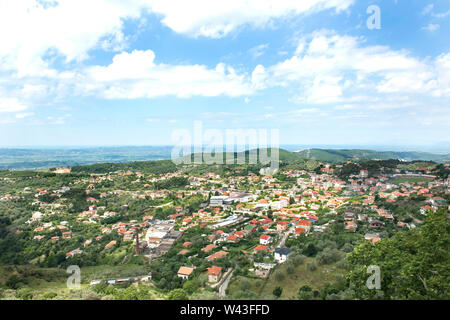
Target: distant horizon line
{"x": 376, "y": 147}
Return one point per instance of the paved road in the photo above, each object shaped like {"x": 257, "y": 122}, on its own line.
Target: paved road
{"x": 224, "y": 285}
{"x": 283, "y": 240}
{"x": 163, "y": 205}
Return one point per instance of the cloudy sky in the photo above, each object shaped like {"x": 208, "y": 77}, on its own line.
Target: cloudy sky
{"x": 99, "y": 72}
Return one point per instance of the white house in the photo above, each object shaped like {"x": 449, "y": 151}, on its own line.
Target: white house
{"x": 265, "y": 239}
{"x": 185, "y": 272}
{"x": 281, "y": 254}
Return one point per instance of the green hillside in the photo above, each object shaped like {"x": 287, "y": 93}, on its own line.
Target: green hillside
{"x": 335, "y": 156}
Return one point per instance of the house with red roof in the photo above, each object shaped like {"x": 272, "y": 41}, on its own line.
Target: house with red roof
{"x": 187, "y": 244}
{"x": 265, "y": 239}
{"x": 260, "y": 248}
{"x": 217, "y": 255}
{"x": 282, "y": 225}
{"x": 209, "y": 247}
{"x": 214, "y": 274}
{"x": 185, "y": 272}
{"x": 112, "y": 243}
{"x": 299, "y": 231}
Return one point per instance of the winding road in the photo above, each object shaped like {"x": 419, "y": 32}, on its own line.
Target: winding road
{"x": 223, "y": 287}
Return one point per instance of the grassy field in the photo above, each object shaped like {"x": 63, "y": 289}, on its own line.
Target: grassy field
{"x": 54, "y": 280}
{"x": 410, "y": 180}
{"x": 291, "y": 282}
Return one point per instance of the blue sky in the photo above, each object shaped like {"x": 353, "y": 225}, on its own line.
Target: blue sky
{"x": 111, "y": 73}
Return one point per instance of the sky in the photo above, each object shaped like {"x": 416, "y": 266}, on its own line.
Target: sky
{"x": 336, "y": 72}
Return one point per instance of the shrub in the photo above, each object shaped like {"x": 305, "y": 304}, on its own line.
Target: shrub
{"x": 177, "y": 294}
{"x": 277, "y": 292}
{"x": 25, "y": 294}
{"x": 12, "y": 282}
{"x": 279, "y": 275}
{"x": 298, "y": 259}
{"x": 245, "y": 285}
{"x": 328, "y": 256}
{"x": 290, "y": 268}
{"x": 49, "y": 295}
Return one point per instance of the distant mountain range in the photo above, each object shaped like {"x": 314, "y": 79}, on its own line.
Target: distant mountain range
{"x": 38, "y": 159}
{"x": 334, "y": 156}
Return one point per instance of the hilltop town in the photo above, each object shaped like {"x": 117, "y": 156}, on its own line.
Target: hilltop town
{"x": 237, "y": 231}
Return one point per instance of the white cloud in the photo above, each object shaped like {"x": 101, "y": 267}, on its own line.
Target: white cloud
{"x": 259, "y": 50}
{"x": 136, "y": 75}
{"x": 45, "y": 29}
{"x": 218, "y": 18}
{"x": 442, "y": 15}
{"x": 330, "y": 68}
{"x": 11, "y": 105}
{"x": 431, "y": 27}
{"x": 56, "y": 120}
{"x": 24, "y": 115}
{"x": 428, "y": 9}
{"x": 152, "y": 120}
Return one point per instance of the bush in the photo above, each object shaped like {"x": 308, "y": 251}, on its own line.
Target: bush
{"x": 24, "y": 294}
{"x": 277, "y": 292}
{"x": 290, "y": 269}
{"x": 279, "y": 275}
{"x": 49, "y": 295}
{"x": 328, "y": 256}
{"x": 310, "y": 250}
{"x": 245, "y": 285}
{"x": 305, "y": 293}
{"x": 343, "y": 264}
{"x": 298, "y": 259}
{"x": 347, "y": 247}
{"x": 12, "y": 282}
{"x": 190, "y": 286}
{"x": 177, "y": 294}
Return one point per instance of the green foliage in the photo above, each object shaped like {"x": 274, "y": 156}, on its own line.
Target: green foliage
{"x": 177, "y": 294}
{"x": 190, "y": 286}
{"x": 305, "y": 293}
{"x": 277, "y": 292}
{"x": 175, "y": 182}
{"x": 49, "y": 295}
{"x": 413, "y": 264}
{"x": 279, "y": 275}
{"x": 155, "y": 167}
{"x": 328, "y": 256}
{"x": 24, "y": 294}
{"x": 12, "y": 282}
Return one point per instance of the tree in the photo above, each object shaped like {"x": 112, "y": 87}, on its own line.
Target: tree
{"x": 305, "y": 293}
{"x": 12, "y": 282}
{"x": 310, "y": 250}
{"x": 328, "y": 256}
{"x": 177, "y": 294}
{"x": 190, "y": 286}
{"x": 245, "y": 285}
{"x": 413, "y": 264}
{"x": 277, "y": 292}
